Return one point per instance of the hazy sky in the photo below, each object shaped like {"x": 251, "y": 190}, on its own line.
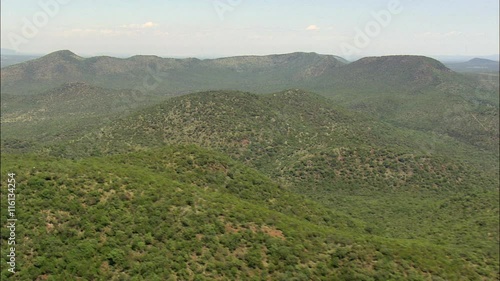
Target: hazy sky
{"x": 234, "y": 27}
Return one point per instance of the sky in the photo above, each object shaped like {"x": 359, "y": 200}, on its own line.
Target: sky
{"x": 215, "y": 28}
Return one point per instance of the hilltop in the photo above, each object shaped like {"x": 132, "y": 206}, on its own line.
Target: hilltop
{"x": 58, "y": 65}
{"x": 293, "y": 135}
{"x": 397, "y": 72}
{"x": 418, "y": 93}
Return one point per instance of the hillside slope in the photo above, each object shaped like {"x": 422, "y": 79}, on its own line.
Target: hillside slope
{"x": 287, "y": 186}
{"x": 298, "y": 138}
{"x": 192, "y": 214}
{"x": 343, "y": 160}
{"x": 418, "y": 93}
{"x": 63, "y": 112}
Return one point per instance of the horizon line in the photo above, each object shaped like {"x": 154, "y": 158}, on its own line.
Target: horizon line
{"x": 214, "y": 56}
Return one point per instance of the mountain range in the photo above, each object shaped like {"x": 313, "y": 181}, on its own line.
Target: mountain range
{"x": 157, "y": 74}
{"x": 409, "y": 91}
{"x": 283, "y": 167}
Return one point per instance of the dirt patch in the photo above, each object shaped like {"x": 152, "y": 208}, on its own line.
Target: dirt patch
{"x": 273, "y": 232}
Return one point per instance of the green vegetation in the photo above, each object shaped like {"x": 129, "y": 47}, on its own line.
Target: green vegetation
{"x": 165, "y": 75}
{"x": 419, "y": 93}
{"x": 412, "y": 92}
{"x": 292, "y": 133}
{"x": 390, "y": 174}
{"x": 192, "y": 214}
{"x": 63, "y": 113}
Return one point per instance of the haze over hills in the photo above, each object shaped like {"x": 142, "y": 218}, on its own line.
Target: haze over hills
{"x": 11, "y": 57}
{"x": 283, "y": 167}
{"x": 65, "y": 66}
{"x": 475, "y": 65}
{"x": 167, "y": 75}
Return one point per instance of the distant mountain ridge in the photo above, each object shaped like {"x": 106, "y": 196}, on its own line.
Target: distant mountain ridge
{"x": 247, "y": 73}
{"x": 480, "y": 60}
{"x": 4, "y": 51}
{"x": 395, "y": 71}
{"x": 476, "y": 65}
{"x": 168, "y": 75}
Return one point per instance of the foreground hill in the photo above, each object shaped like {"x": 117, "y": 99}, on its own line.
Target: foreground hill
{"x": 291, "y": 134}
{"x": 328, "y": 154}
{"x": 191, "y": 214}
